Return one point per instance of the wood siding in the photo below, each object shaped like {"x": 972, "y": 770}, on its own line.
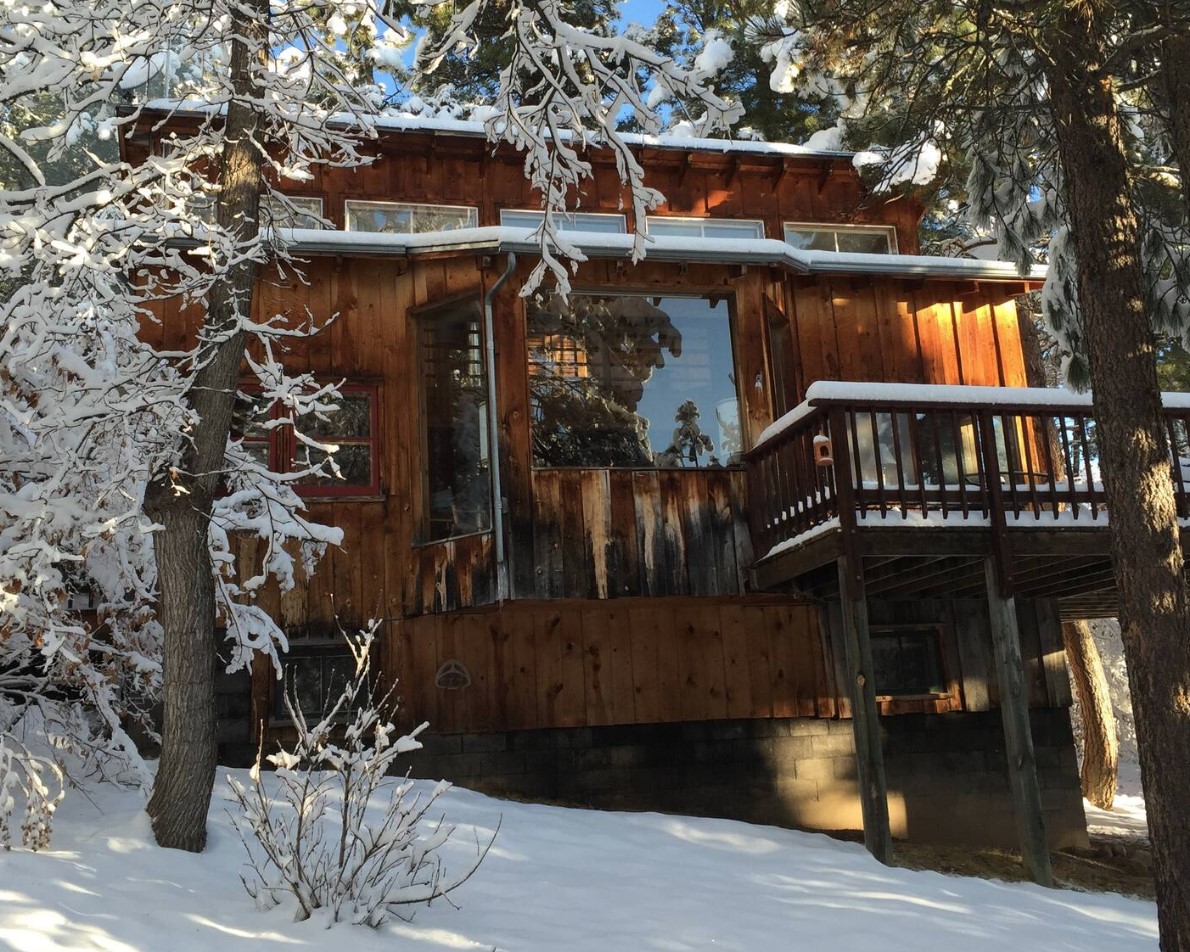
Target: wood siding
{"x": 629, "y": 599}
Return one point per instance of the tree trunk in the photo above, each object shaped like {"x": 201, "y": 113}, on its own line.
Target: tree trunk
{"x": 182, "y": 503}
{"x": 1134, "y": 455}
{"x": 1101, "y": 748}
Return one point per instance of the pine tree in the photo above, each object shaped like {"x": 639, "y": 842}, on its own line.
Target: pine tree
{"x": 1032, "y": 92}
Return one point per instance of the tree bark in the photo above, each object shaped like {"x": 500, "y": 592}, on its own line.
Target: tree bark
{"x": 182, "y": 502}
{"x": 1134, "y": 455}
{"x": 1101, "y": 747}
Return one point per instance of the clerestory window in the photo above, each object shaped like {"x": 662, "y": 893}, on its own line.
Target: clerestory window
{"x": 854, "y": 239}
{"x": 660, "y": 225}
{"x": 404, "y": 218}
{"x": 571, "y": 221}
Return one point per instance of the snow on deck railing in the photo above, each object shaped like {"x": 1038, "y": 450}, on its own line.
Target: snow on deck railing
{"x": 920, "y": 454}
{"x": 822, "y": 393}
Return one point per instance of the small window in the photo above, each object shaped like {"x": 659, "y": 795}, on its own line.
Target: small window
{"x": 907, "y": 661}
{"x": 400, "y": 218}
{"x": 703, "y": 227}
{"x": 294, "y": 211}
{"x": 632, "y": 381}
{"x": 313, "y": 677}
{"x": 573, "y": 221}
{"x": 350, "y": 427}
{"x": 454, "y": 407}
{"x": 854, "y": 239}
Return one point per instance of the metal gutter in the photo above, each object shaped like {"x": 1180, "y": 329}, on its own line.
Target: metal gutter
{"x": 759, "y": 251}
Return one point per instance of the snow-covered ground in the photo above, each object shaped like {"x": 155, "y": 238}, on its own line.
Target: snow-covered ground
{"x": 557, "y": 879}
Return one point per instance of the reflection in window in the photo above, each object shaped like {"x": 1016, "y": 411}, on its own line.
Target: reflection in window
{"x": 401, "y": 218}
{"x": 314, "y": 677}
{"x": 934, "y": 449}
{"x": 856, "y": 239}
{"x": 574, "y": 221}
{"x": 454, "y": 404}
{"x": 703, "y": 227}
{"x": 907, "y": 661}
{"x": 625, "y": 380}
{"x": 292, "y": 211}
{"x": 344, "y": 430}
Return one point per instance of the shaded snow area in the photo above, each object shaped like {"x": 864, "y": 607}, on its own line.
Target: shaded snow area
{"x": 1127, "y": 816}
{"x": 556, "y": 879}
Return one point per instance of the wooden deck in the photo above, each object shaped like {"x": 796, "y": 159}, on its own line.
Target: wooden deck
{"x": 919, "y": 485}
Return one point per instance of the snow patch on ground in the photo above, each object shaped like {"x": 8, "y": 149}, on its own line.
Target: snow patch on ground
{"x": 579, "y": 880}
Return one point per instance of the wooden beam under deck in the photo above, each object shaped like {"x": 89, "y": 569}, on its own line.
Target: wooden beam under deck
{"x": 1070, "y": 564}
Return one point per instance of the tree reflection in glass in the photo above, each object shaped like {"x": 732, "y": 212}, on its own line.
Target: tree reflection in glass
{"x": 610, "y": 374}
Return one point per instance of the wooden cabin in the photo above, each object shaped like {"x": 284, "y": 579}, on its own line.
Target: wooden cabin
{"x": 668, "y": 543}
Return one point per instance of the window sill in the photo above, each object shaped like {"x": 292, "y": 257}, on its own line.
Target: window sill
{"x": 453, "y": 538}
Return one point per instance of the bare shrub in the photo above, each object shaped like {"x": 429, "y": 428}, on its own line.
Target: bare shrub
{"x": 307, "y": 832}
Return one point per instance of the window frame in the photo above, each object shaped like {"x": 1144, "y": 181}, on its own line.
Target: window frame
{"x": 321, "y": 647}
{"x": 349, "y": 203}
{"x": 419, "y": 315}
{"x": 836, "y": 229}
{"x": 649, "y": 219}
{"x": 321, "y": 213}
{"x": 729, "y": 297}
{"x": 939, "y": 633}
{"x": 282, "y": 447}
{"x": 539, "y": 217}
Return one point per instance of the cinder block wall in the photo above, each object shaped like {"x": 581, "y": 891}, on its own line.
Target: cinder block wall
{"x": 947, "y": 774}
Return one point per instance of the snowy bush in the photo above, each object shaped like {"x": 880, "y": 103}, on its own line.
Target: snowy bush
{"x": 307, "y": 832}
{"x": 37, "y": 783}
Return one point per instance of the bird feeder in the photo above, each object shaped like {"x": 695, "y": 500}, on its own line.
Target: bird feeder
{"x": 822, "y": 451}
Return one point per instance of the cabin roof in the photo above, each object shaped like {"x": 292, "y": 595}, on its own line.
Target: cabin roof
{"x": 754, "y": 251}
{"x": 473, "y": 129}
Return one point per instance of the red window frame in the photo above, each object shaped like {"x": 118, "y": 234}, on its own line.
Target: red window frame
{"x": 282, "y": 447}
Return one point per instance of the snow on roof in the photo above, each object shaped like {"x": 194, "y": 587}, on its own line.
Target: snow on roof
{"x": 408, "y": 122}
{"x": 758, "y": 251}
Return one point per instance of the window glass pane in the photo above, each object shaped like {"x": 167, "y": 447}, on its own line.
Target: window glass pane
{"x": 863, "y": 242}
{"x": 351, "y": 416}
{"x": 907, "y": 661}
{"x": 455, "y": 409}
{"x": 809, "y": 239}
{"x": 396, "y": 218}
{"x": 248, "y": 416}
{"x": 632, "y": 381}
{"x": 303, "y": 684}
{"x": 354, "y": 463}
{"x": 733, "y": 229}
{"x": 301, "y": 212}
{"x": 674, "y": 227}
{"x": 579, "y": 221}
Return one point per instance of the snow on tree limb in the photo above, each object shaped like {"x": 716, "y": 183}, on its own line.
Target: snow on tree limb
{"x": 566, "y": 88}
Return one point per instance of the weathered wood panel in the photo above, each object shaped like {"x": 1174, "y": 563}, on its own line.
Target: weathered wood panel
{"x": 602, "y": 534}
{"x": 600, "y": 662}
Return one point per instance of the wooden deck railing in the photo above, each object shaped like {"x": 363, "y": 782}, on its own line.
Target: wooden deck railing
{"x": 863, "y": 452}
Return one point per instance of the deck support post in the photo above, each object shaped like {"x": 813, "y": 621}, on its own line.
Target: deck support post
{"x": 1018, "y": 736}
{"x": 869, "y": 760}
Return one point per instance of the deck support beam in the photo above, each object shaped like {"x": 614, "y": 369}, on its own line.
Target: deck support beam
{"x": 869, "y": 759}
{"x": 1018, "y": 735}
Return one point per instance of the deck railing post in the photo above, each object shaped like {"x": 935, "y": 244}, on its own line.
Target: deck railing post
{"x": 857, "y": 651}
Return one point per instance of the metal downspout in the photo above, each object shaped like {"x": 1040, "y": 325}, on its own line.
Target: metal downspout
{"x": 494, "y": 430}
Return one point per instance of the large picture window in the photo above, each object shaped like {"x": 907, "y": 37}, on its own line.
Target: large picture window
{"x": 632, "y": 380}
{"x": 348, "y": 428}
{"x": 454, "y": 406}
